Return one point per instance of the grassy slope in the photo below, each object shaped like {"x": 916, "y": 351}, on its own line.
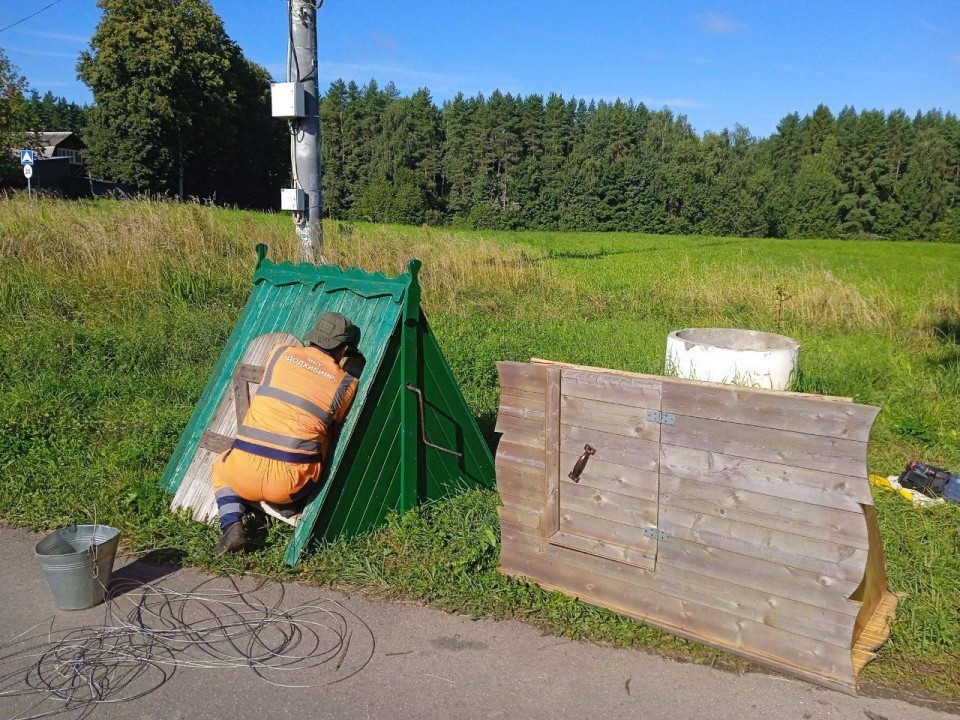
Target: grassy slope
{"x": 115, "y": 315}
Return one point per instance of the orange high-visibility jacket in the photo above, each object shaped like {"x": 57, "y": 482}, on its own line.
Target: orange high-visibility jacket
{"x": 286, "y": 433}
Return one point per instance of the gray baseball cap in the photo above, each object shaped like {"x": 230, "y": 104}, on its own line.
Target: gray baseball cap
{"x": 331, "y": 330}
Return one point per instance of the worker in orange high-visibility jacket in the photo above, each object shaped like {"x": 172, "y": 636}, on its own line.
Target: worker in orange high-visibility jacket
{"x": 285, "y": 435}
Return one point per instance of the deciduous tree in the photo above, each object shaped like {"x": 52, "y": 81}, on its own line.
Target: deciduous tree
{"x": 14, "y": 114}
{"x": 178, "y": 108}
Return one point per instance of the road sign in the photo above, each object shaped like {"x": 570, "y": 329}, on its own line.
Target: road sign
{"x": 26, "y": 157}
{"x": 28, "y": 171}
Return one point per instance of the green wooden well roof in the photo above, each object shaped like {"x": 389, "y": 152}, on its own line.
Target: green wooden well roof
{"x": 380, "y": 462}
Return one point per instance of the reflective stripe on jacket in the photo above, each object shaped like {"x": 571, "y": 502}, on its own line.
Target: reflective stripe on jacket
{"x": 303, "y": 394}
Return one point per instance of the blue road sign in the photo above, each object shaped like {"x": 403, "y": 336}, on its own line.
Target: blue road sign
{"x": 26, "y": 157}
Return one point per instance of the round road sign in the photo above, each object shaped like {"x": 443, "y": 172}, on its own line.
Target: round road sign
{"x": 28, "y": 171}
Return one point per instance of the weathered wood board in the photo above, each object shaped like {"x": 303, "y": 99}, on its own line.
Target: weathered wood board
{"x": 196, "y": 492}
{"x": 738, "y": 517}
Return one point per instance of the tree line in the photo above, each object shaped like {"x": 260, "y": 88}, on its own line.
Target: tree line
{"x": 178, "y": 109}
{"x": 50, "y": 112}
{"x": 525, "y": 162}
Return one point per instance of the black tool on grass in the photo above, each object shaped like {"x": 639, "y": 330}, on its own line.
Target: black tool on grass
{"x": 931, "y": 481}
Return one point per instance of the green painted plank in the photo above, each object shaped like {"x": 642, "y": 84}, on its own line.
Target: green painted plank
{"x": 411, "y": 446}
{"x": 451, "y": 424}
{"x": 391, "y": 502}
{"x": 379, "y": 447}
{"x": 369, "y": 510}
{"x": 384, "y": 457}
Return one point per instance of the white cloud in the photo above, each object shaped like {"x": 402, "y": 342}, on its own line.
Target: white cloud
{"x": 63, "y": 37}
{"x": 384, "y": 41}
{"x": 717, "y": 24}
{"x": 678, "y": 102}
{"x": 648, "y": 100}
{"x": 386, "y": 72}
{"x": 402, "y": 75}
{"x": 46, "y": 53}
{"x": 932, "y": 27}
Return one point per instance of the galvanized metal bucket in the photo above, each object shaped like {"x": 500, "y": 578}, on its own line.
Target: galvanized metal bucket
{"x": 77, "y": 562}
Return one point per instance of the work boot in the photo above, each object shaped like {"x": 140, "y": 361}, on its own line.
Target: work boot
{"x": 232, "y": 539}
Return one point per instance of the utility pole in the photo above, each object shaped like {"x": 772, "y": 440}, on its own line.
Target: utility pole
{"x": 305, "y": 130}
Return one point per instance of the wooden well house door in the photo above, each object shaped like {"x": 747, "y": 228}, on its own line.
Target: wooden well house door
{"x": 603, "y": 464}
{"x": 738, "y": 517}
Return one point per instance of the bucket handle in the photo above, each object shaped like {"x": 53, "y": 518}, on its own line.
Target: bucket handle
{"x": 93, "y": 556}
{"x": 92, "y": 549}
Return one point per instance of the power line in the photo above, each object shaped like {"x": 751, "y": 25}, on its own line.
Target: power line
{"x": 24, "y": 19}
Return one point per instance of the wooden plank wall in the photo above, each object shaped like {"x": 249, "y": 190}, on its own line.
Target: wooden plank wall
{"x": 521, "y": 456}
{"x": 763, "y": 494}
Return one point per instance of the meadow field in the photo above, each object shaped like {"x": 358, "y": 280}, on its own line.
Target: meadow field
{"x": 114, "y": 313}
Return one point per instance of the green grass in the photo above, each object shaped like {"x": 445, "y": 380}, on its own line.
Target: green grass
{"x": 115, "y": 313}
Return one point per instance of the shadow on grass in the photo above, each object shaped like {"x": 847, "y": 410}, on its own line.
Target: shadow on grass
{"x": 716, "y": 243}
{"x": 487, "y": 421}
{"x": 948, "y": 330}
{"x": 587, "y": 254}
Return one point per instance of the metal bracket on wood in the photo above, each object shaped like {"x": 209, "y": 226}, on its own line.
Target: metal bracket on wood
{"x": 423, "y": 424}
{"x": 661, "y": 418}
{"x": 215, "y": 442}
{"x": 242, "y": 375}
{"x": 657, "y": 534}
{"x": 248, "y": 372}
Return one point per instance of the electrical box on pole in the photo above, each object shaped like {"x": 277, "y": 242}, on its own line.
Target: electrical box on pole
{"x": 288, "y": 100}
{"x": 293, "y": 199}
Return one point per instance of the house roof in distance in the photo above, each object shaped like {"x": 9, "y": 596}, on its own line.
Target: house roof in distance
{"x": 50, "y": 141}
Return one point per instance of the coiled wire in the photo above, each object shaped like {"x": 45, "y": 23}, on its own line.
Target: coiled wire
{"x": 150, "y": 631}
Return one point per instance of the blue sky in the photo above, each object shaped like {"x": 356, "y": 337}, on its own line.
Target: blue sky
{"x": 719, "y": 63}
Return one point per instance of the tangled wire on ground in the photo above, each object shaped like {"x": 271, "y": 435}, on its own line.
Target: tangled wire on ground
{"x": 216, "y": 624}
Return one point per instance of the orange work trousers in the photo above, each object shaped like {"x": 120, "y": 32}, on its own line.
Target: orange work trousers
{"x": 257, "y": 478}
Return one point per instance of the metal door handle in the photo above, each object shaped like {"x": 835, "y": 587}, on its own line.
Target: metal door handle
{"x": 423, "y": 424}
{"x": 588, "y": 450}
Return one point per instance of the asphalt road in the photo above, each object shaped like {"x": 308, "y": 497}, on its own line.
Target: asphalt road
{"x": 417, "y": 662}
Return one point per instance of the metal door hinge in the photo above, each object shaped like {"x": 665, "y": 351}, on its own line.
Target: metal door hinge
{"x": 662, "y": 418}
{"x": 657, "y": 534}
